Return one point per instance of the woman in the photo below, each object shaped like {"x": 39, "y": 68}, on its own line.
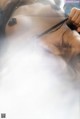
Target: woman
{"x": 75, "y": 17}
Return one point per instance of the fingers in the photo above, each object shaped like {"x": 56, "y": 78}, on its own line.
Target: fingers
{"x": 75, "y": 16}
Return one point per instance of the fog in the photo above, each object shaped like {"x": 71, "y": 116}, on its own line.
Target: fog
{"x": 34, "y": 84}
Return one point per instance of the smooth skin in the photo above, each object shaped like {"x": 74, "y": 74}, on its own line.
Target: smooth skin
{"x": 75, "y": 17}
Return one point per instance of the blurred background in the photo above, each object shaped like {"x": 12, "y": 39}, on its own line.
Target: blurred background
{"x": 71, "y": 3}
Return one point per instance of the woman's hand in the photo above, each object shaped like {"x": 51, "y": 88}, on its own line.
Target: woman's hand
{"x": 75, "y": 17}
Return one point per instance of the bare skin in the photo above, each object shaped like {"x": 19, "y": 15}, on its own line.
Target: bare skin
{"x": 33, "y": 16}
{"x": 33, "y": 19}
{"x": 75, "y": 17}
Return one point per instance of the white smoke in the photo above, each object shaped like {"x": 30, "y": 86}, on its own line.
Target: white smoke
{"x": 34, "y": 84}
